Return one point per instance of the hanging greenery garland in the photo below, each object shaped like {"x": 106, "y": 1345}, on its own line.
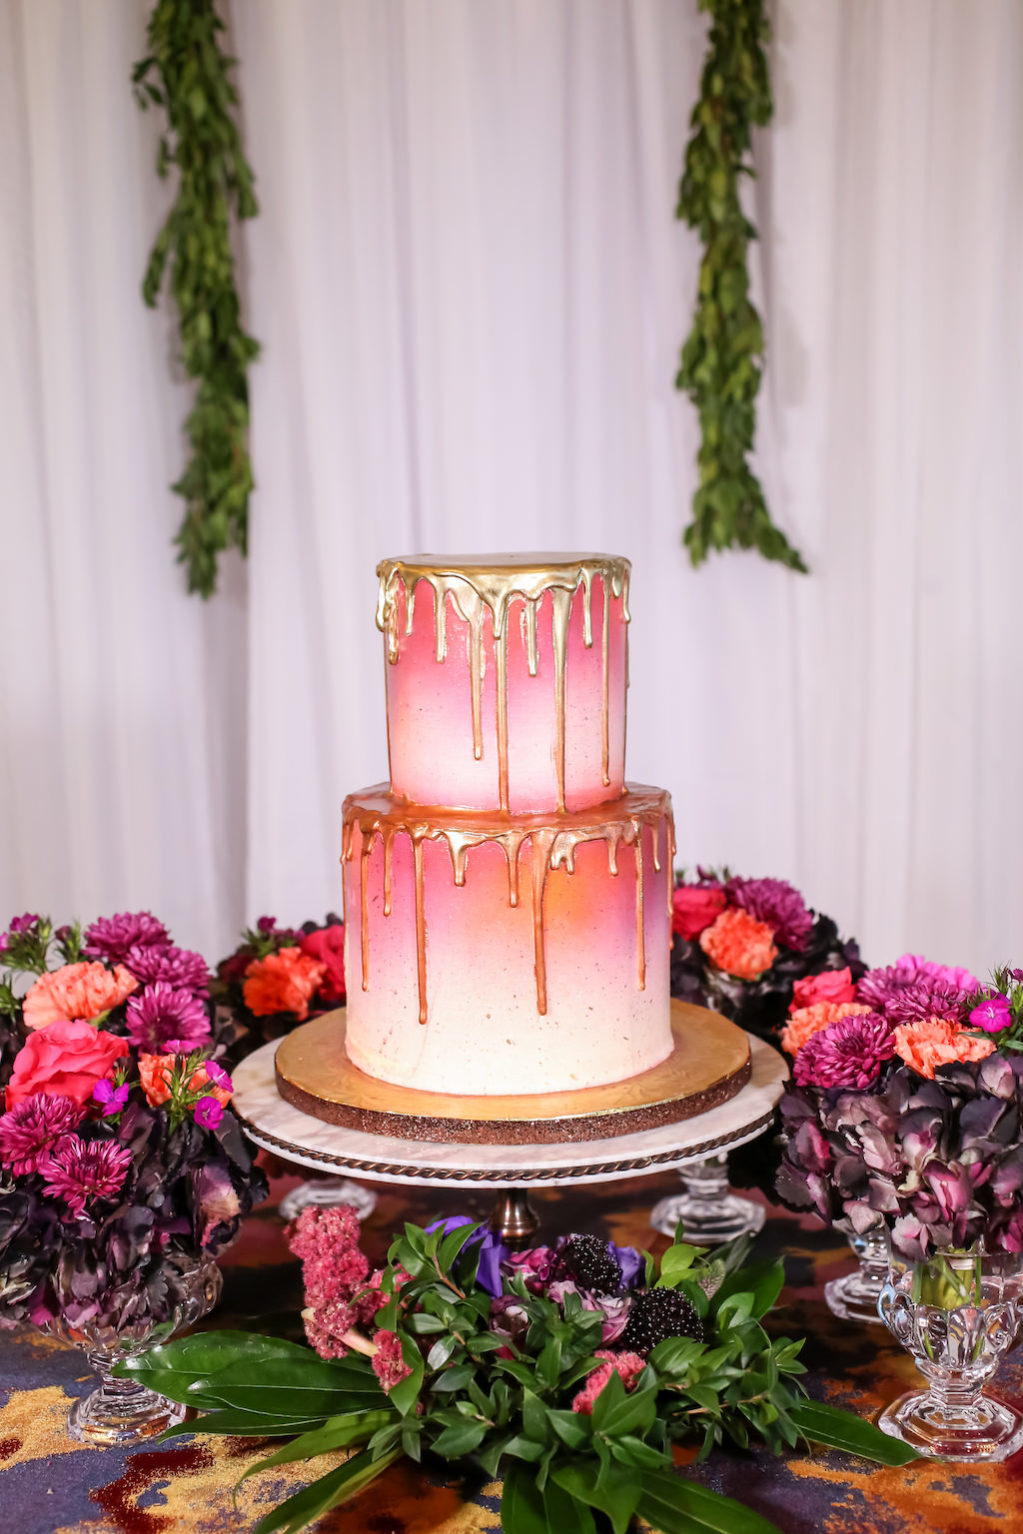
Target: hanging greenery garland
{"x": 722, "y": 356}
{"x": 188, "y": 76}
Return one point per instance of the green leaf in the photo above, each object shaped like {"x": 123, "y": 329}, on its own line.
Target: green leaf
{"x": 329, "y": 1491}
{"x": 460, "y": 1439}
{"x": 337, "y": 1433}
{"x": 522, "y": 1504}
{"x": 677, "y": 1262}
{"x": 762, "y": 1281}
{"x": 612, "y": 1489}
{"x": 837, "y": 1429}
{"x": 243, "y": 1424}
{"x": 674, "y": 1505}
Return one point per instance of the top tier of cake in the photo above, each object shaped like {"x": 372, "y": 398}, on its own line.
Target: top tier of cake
{"x": 506, "y": 679}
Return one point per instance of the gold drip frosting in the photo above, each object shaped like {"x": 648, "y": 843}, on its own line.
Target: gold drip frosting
{"x": 379, "y": 813}
{"x": 489, "y": 583}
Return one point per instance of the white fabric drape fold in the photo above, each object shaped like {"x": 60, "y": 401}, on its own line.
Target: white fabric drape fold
{"x": 471, "y": 290}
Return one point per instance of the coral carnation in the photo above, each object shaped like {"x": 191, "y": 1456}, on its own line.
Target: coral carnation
{"x": 78, "y": 991}
{"x": 934, "y": 1042}
{"x": 739, "y": 944}
{"x": 112, "y": 936}
{"x": 804, "y": 1022}
{"x": 694, "y": 907}
{"x": 847, "y": 1053}
{"x": 628, "y": 1366}
{"x": 32, "y": 1128}
{"x": 282, "y": 982}
{"x": 79, "y": 1170}
{"x": 776, "y": 903}
{"x": 163, "y": 1015}
{"x": 155, "y": 1073}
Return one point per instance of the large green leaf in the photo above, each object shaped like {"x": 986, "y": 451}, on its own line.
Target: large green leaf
{"x": 244, "y": 1424}
{"x": 612, "y": 1489}
{"x": 762, "y": 1280}
{"x": 837, "y": 1429}
{"x": 329, "y": 1491}
{"x": 206, "y": 1353}
{"x": 337, "y": 1433}
{"x": 522, "y": 1502}
{"x": 673, "y": 1505}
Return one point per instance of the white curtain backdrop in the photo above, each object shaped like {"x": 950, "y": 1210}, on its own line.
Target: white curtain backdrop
{"x": 471, "y": 291}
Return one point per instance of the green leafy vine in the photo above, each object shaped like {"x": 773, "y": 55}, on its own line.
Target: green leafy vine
{"x": 187, "y": 75}
{"x": 722, "y": 355}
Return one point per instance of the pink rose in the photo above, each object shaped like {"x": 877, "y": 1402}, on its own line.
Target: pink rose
{"x": 694, "y": 907}
{"x": 834, "y": 985}
{"x": 65, "y": 1059}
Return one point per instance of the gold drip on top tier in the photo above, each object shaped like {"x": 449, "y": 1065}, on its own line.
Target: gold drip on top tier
{"x": 490, "y": 583}
{"x": 617, "y": 822}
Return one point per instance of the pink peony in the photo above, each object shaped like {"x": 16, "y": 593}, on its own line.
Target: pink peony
{"x": 32, "y": 1128}
{"x": 847, "y": 1053}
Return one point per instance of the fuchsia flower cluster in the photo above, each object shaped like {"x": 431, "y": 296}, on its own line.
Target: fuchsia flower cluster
{"x": 907, "y": 1104}
{"x": 116, "y": 1144}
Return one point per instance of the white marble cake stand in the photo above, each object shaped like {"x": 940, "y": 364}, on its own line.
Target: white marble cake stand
{"x": 509, "y": 1169}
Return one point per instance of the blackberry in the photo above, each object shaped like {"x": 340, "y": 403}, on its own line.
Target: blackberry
{"x": 657, "y": 1314}
{"x": 587, "y": 1261}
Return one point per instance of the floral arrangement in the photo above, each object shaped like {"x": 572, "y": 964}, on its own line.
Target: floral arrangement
{"x": 119, "y": 1155}
{"x": 742, "y": 945}
{"x": 906, "y": 1105}
{"x": 278, "y": 977}
{"x": 567, "y": 1370}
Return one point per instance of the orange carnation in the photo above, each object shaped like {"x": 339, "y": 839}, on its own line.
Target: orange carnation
{"x": 804, "y": 1022}
{"x": 936, "y": 1041}
{"x": 76, "y": 992}
{"x": 155, "y": 1075}
{"x": 282, "y": 982}
{"x": 739, "y": 944}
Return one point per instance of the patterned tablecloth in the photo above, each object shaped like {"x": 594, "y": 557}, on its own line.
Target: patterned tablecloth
{"x": 50, "y": 1484}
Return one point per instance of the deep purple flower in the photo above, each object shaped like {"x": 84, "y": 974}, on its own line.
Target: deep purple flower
{"x": 926, "y": 997}
{"x": 778, "y": 904}
{"x": 179, "y": 967}
{"x": 878, "y": 986}
{"x": 30, "y": 1129}
{"x": 847, "y": 1053}
{"x": 218, "y": 1076}
{"x": 208, "y": 1112}
{"x": 162, "y": 1015}
{"x": 111, "y": 936}
{"x": 492, "y": 1251}
{"x": 992, "y": 1015}
{"x": 113, "y": 1098}
{"x": 534, "y": 1266}
{"x": 266, "y": 925}
{"x": 79, "y": 1170}
{"x": 25, "y": 923}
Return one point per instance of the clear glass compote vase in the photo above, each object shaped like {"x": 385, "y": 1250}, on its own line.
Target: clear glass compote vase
{"x": 122, "y": 1411}
{"x": 855, "y": 1296}
{"x": 957, "y": 1314}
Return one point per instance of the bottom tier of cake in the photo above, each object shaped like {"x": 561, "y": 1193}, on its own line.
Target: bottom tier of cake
{"x": 495, "y": 954}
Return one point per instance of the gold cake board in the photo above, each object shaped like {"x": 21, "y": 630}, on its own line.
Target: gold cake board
{"x": 709, "y": 1064}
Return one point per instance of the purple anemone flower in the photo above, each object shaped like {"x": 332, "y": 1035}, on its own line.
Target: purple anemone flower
{"x": 179, "y": 967}
{"x": 111, "y": 936}
{"x": 778, "y": 904}
{"x": 31, "y": 1129}
{"x": 162, "y": 1015}
{"x": 847, "y": 1053}
{"x": 492, "y": 1251}
{"x": 79, "y": 1170}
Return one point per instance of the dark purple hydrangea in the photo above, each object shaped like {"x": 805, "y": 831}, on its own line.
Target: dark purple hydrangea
{"x": 79, "y": 1170}
{"x": 112, "y": 936}
{"x": 778, "y": 904}
{"x": 30, "y": 1129}
{"x": 182, "y": 968}
{"x": 847, "y": 1053}
{"x": 162, "y": 1015}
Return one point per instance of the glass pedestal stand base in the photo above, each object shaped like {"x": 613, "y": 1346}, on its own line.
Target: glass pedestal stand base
{"x": 981, "y": 1431}
{"x": 120, "y": 1411}
{"x": 854, "y": 1297}
{"x": 710, "y": 1213}
{"x": 326, "y": 1192}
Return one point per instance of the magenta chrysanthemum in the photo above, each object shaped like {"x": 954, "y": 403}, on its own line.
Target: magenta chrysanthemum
{"x": 847, "y": 1053}
{"x": 79, "y": 1170}
{"x": 32, "y": 1128}
{"x": 778, "y": 904}
{"x": 179, "y": 967}
{"x": 162, "y": 1014}
{"x": 111, "y": 936}
{"x": 926, "y": 997}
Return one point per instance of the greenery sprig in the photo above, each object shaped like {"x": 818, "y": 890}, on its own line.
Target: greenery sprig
{"x": 504, "y": 1401}
{"x": 721, "y": 358}
{"x": 187, "y": 75}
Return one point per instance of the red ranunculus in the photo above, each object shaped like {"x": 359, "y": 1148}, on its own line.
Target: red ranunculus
{"x": 834, "y": 986}
{"x": 65, "y": 1059}
{"x": 695, "y": 907}
{"x": 328, "y": 945}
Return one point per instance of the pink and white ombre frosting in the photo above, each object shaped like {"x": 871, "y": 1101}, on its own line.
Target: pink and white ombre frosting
{"x": 506, "y": 679}
{"x": 507, "y": 895}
